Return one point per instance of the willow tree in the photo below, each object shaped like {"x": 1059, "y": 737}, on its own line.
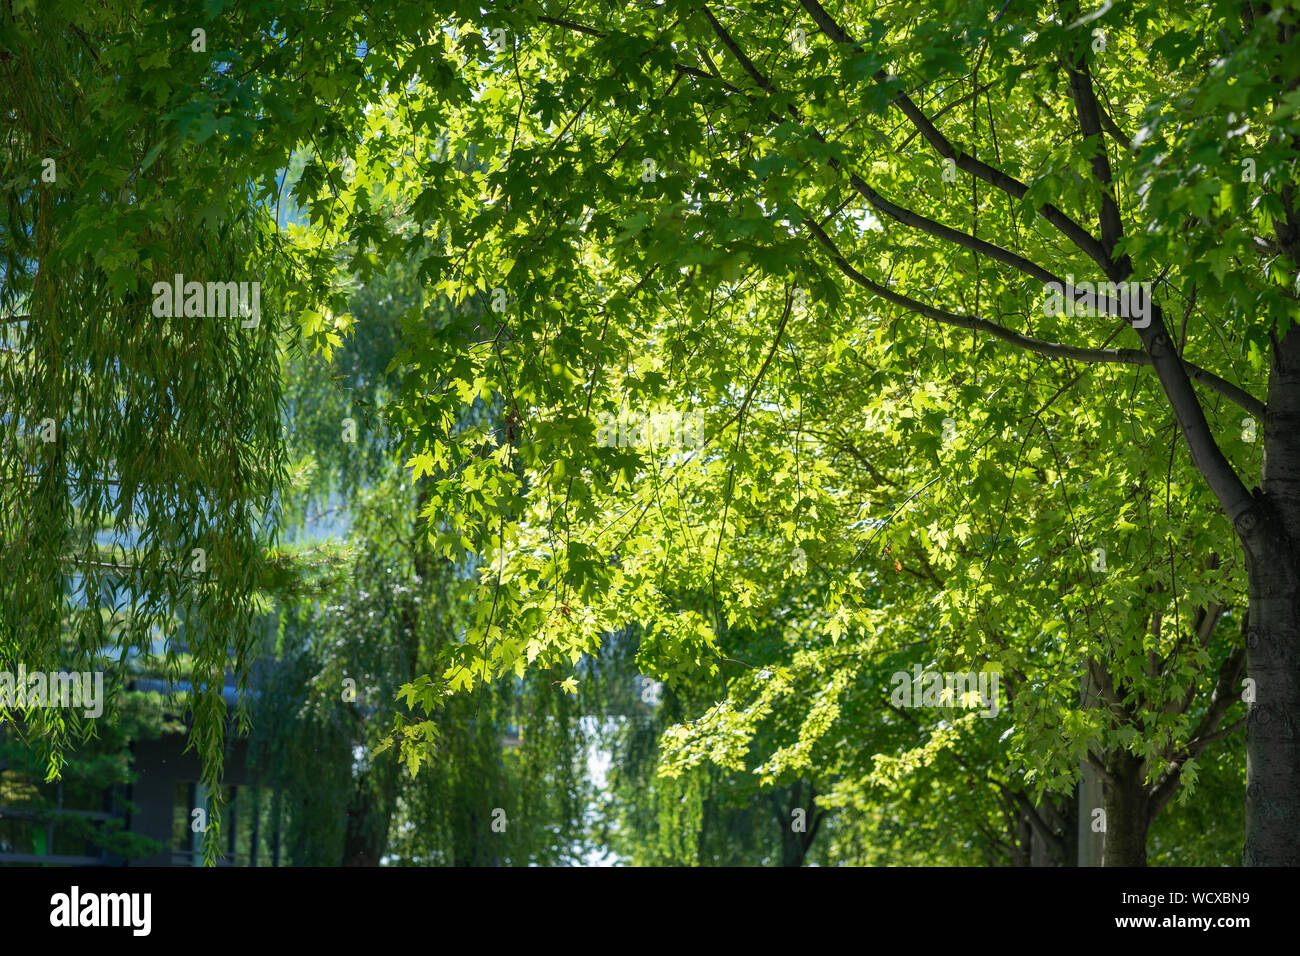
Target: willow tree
{"x": 144, "y": 295}
{"x": 142, "y": 447}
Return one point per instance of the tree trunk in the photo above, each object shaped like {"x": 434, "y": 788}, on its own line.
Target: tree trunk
{"x": 1061, "y": 850}
{"x": 795, "y": 843}
{"x": 365, "y": 835}
{"x": 1089, "y": 844}
{"x": 1127, "y": 812}
{"x": 791, "y": 850}
{"x": 1025, "y": 844}
{"x": 1269, "y": 534}
{"x": 792, "y": 843}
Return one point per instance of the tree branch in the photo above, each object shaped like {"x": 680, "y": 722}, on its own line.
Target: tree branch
{"x": 1074, "y": 353}
{"x": 964, "y": 161}
{"x": 1234, "y": 498}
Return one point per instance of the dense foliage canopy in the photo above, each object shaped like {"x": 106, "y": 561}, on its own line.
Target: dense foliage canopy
{"x": 744, "y": 354}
